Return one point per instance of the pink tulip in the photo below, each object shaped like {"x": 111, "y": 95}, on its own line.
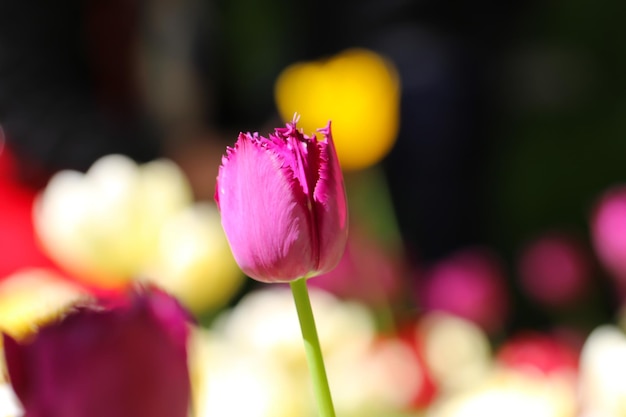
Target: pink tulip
{"x": 126, "y": 361}
{"x": 283, "y": 204}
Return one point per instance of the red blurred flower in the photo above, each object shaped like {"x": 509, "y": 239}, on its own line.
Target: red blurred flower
{"x": 128, "y": 360}
{"x": 18, "y": 242}
{"x": 538, "y": 352}
{"x": 428, "y": 389}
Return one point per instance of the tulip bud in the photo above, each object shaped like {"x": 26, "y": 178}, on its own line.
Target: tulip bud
{"x": 283, "y": 204}
{"x": 126, "y": 361}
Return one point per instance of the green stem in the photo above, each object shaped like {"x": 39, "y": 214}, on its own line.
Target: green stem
{"x": 312, "y": 348}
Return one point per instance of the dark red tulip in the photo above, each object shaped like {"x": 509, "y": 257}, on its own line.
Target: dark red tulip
{"x": 129, "y": 360}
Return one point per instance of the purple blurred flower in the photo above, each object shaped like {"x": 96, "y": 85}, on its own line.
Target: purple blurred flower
{"x": 608, "y": 228}
{"x": 468, "y": 284}
{"x": 283, "y": 204}
{"x": 129, "y": 360}
{"x": 555, "y": 270}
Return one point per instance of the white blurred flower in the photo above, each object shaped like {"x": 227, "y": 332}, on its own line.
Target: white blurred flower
{"x": 513, "y": 394}
{"x": 232, "y": 381}
{"x": 457, "y": 351}
{"x": 384, "y": 377}
{"x": 603, "y": 373}
{"x": 122, "y": 221}
{"x": 267, "y": 321}
{"x": 9, "y": 404}
{"x": 104, "y": 225}
{"x": 366, "y": 376}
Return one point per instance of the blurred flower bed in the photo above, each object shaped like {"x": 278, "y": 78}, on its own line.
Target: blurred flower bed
{"x": 398, "y": 340}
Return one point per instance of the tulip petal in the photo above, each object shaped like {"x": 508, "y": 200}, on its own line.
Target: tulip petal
{"x": 16, "y": 367}
{"x": 264, "y": 212}
{"x": 330, "y": 205}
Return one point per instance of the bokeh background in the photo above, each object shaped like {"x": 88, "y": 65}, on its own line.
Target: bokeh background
{"x": 480, "y": 142}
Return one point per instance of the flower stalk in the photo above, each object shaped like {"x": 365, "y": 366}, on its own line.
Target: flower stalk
{"x": 312, "y": 348}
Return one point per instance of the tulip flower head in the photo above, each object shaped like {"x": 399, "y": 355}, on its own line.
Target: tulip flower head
{"x": 128, "y": 360}
{"x": 283, "y": 204}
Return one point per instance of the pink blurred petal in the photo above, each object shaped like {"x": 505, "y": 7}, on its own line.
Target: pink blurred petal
{"x": 469, "y": 284}
{"x": 366, "y": 272}
{"x": 608, "y": 227}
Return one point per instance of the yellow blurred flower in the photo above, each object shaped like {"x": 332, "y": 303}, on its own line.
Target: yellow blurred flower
{"x": 194, "y": 262}
{"x": 33, "y": 297}
{"x": 358, "y": 90}
{"x": 30, "y": 299}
